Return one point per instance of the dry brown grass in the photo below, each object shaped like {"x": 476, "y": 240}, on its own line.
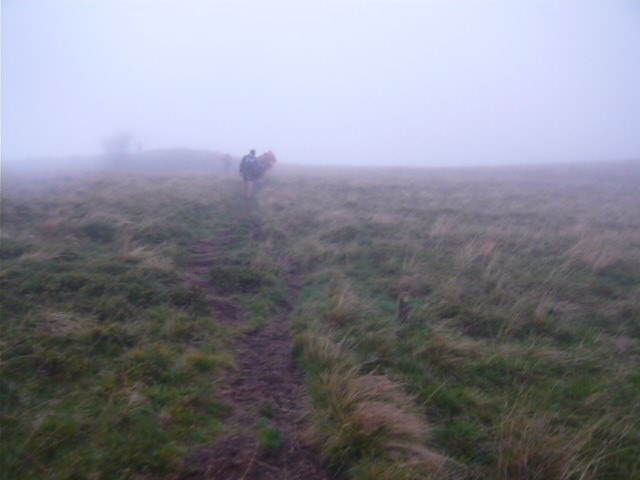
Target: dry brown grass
{"x": 369, "y": 416}
{"x": 514, "y": 279}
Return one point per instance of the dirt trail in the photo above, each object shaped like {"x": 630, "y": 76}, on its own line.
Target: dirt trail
{"x": 267, "y": 383}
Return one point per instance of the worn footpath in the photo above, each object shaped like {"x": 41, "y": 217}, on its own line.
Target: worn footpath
{"x": 264, "y": 434}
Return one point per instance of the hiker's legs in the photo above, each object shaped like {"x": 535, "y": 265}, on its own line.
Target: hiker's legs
{"x": 248, "y": 188}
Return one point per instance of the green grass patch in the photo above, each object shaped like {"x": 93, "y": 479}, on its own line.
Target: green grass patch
{"x": 109, "y": 359}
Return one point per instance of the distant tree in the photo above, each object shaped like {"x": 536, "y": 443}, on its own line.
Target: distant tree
{"x": 118, "y": 145}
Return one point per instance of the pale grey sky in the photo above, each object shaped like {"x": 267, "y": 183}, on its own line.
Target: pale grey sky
{"x": 385, "y": 82}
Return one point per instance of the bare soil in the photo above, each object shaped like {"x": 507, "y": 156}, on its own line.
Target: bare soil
{"x": 267, "y": 382}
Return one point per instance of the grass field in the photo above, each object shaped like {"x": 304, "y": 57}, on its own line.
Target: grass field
{"x": 479, "y": 323}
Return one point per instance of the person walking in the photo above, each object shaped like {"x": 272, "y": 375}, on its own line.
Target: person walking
{"x": 250, "y": 171}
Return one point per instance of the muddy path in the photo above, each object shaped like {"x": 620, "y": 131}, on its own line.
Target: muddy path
{"x": 266, "y": 394}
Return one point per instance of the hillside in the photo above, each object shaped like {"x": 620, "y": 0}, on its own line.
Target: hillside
{"x": 158, "y": 161}
{"x": 346, "y": 323}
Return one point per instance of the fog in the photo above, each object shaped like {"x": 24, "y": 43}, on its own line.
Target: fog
{"x": 337, "y": 82}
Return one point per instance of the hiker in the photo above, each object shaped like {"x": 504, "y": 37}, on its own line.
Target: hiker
{"x": 265, "y": 163}
{"x": 250, "y": 171}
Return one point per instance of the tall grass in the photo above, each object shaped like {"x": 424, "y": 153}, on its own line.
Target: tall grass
{"x": 110, "y": 358}
{"x": 469, "y": 290}
{"x": 453, "y": 323}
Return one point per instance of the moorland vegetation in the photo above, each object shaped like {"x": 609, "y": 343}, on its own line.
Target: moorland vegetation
{"x": 479, "y": 323}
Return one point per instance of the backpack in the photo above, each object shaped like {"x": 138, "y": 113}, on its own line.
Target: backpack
{"x": 247, "y": 164}
{"x": 250, "y": 166}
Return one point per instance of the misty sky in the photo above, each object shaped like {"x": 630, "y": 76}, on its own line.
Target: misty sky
{"x": 410, "y": 83}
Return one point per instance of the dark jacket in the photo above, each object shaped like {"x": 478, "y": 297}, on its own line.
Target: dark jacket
{"x": 249, "y": 167}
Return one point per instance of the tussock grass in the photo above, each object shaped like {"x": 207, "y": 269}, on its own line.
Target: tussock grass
{"x": 530, "y": 447}
{"x": 453, "y": 324}
{"x": 362, "y": 421}
{"x": 367, "y": 412}
{"x": 471, "y": 289}
{"x": 109, "y": 357}
{"x": 346, "y": 307}
{"x": 360, "y": 417}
